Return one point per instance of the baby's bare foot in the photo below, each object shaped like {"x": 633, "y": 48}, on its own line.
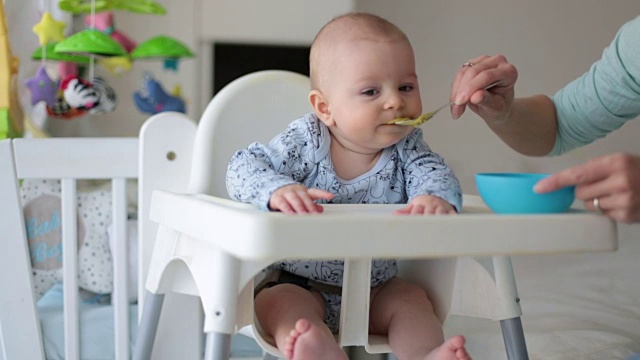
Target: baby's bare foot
{"x": 452, "y": 349}
{"x": 307, "y": 341}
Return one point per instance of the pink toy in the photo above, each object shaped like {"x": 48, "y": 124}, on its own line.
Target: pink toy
{"x": 66, "y": 69}
{"x": 103, "y": 21}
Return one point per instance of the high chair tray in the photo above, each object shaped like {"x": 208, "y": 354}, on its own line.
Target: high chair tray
{"x": 253, "y": 234}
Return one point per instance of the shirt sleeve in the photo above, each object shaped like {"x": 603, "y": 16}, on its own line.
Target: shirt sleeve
{"x": 254, "y": 173}
{"x": 604, "y": 98}
{"x": 426, "y": 172}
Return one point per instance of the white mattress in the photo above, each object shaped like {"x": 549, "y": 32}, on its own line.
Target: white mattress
{"x": 576, "y": 306}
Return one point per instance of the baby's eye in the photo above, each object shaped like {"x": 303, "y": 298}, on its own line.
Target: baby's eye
{"x": 370, "y": 92}
{"x": 405, "y": 88}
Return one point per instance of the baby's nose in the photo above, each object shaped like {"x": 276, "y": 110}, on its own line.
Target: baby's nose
{"x": 395, "y": 101}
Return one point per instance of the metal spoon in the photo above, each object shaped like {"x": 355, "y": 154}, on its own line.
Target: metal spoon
{"x": 427, "y": 116}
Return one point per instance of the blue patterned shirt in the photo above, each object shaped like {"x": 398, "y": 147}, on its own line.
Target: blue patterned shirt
{"x": 300, "y": 155}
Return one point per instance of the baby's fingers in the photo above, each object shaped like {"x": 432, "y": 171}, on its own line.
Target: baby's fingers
{"x": 407, "y": 210}
{"x": 319, "y": 194}
{"x": 414, "y": 209}
{"x": 426, "y": 209}
{"x": 301, "y": 202}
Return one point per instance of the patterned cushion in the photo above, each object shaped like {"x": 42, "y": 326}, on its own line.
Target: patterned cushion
{"x": 41, "y": 201}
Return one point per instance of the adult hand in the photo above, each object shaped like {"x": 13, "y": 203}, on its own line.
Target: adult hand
{"x": 614, "y": 180}
{"x": 298, "y": 199}
{"x": 494, "y": 104}
{"x": 426, "y": 204}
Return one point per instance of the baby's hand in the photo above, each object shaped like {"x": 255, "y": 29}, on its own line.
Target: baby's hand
{"x": 298, "y": 199}
{"x": 426, "y": 204}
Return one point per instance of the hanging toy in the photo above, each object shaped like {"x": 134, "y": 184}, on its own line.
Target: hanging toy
{"x": 42, "y": 87}
{"x": 96, "y": 98}
{"x": 66, "y": 69}
{"x": 138, "y": 6}
{"x": 166, "y": 48}
{"x": 152, "y": 98}
{"x": 61, "y": 110}
{"x": 103, "y": 21}
{"x": 107, "y": 97}
{"x": 116, "y": 64}
{"x": 49, "y": 29}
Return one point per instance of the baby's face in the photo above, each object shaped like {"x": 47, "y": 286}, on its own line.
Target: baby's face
{"x": 368, "y": 83}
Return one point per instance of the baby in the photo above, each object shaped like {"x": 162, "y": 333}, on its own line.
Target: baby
{"x": 345, "y": 152}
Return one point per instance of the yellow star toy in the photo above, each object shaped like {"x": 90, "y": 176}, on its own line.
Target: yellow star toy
{"x": 49, "y": 29}
{"x": 177, "y": 91}
{"x": 116, "y": 64}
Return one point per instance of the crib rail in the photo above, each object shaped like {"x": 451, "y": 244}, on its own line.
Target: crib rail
{"x": 69, "y": 160}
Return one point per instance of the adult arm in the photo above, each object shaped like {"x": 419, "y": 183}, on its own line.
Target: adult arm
{"x": 588, "y": 108}
{"x": 531, "y": 127}
{"x": 604, "y": 98}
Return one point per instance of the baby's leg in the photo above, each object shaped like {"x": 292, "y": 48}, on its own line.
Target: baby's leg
{"x": 402, "y": 311}
{"x": 295, "y": 318}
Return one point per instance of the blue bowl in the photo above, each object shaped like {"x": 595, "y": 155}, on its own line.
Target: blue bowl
{"x": 512, "y": 193}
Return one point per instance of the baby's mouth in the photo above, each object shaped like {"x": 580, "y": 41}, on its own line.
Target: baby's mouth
{"x": 397, "y": 120}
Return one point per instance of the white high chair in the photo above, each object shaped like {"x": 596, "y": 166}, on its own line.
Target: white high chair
{"x": 212, "y": 247}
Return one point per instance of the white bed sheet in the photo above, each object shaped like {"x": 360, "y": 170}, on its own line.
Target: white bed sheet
{"x": 575, "y": 306}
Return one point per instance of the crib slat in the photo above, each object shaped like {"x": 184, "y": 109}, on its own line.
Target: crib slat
{"x": 120, "y": 298}
{"x": 70, "y": 268}
{"x": 80, "y": 158}
{"x": 19, "y": 319}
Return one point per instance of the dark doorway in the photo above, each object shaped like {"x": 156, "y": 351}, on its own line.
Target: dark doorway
{"x": 231, "y": 61}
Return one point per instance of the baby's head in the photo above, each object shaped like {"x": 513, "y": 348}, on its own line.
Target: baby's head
{"x": 341, "y": 33}
{"x": 362, "y": 72}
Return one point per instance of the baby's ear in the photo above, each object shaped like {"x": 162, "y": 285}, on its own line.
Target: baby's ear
{"x": 320, "y": 106}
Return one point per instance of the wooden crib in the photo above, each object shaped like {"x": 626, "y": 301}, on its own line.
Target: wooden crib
{"x": 43, "y": 162}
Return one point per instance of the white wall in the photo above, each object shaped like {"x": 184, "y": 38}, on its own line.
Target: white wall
{"x": 551, "y": 42}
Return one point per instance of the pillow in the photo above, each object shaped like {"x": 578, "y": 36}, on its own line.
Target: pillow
{"x": 41, "y": 201}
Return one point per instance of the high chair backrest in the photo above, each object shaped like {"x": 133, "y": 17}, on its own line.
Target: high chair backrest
{"x": 252, "y": 108}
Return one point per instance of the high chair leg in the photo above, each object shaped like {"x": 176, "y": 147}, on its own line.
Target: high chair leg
{"x": 512, "y": 332}
{"x": 218, "y": 346}
{"x": 148, "y": 326}
{"x": 513, "y": 336}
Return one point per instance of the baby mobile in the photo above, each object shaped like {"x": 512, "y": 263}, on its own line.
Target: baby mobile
{"x": 73, "y": 95}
